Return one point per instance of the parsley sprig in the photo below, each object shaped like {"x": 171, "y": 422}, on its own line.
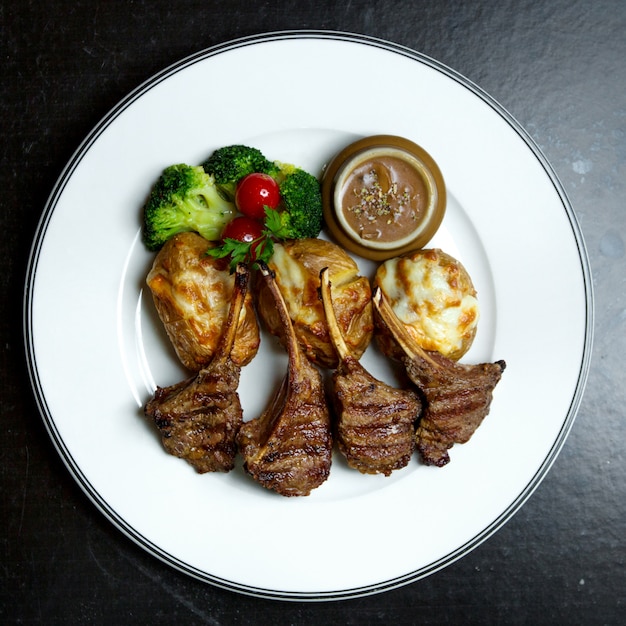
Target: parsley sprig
{"x": 249, "y": 252}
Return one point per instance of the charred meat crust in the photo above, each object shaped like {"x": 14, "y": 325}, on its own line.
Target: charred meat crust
{"x": 199, "y": 418}
{"x": 288, "y": 448}
{"x": 456, "y": 397}
{"x": 374, "y": 422}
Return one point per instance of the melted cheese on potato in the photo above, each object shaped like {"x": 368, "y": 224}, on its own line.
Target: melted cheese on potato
{"x": 432, "y": 294}
{"x": 192, "y": 293}
{"x": 292, "y": 277}
{"x": 297, "y": 265}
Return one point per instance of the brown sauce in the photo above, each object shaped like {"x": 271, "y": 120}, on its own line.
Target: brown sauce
{"x": 384, "y": 199}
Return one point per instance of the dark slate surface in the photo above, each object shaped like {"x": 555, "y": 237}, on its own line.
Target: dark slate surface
{"x": 559, "y": 68}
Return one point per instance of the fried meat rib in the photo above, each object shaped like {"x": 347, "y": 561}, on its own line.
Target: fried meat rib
{"x": 288, "y": 447}
{"x": 199, "y": 418}
{"x": 457, "y": 397}
{"x": 375, "y": 422}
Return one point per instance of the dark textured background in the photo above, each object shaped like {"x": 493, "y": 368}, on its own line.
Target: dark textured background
{"x": 558, "y": 67}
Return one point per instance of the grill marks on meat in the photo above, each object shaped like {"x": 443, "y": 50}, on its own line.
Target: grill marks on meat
{"x": 456, "y": 404}
{"x": 375, "y": 422}
{"x": 457, "y": 397}
{"x": 199, "y": 418}
{"x": 288, "y": 447}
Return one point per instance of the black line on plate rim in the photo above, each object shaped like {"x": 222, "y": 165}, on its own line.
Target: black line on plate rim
{"x": 75, "y": 470}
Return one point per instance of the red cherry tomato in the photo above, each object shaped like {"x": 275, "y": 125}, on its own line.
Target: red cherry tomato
{"x": 244, "y": 229}
{"x": 255, "y": 192}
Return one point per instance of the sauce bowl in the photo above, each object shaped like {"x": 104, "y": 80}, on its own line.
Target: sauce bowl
{"x": 383, "y": 196}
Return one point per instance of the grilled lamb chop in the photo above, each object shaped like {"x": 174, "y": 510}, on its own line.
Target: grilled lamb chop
{"x": 199, "y": 417}
{"x": 375, "y": 422}
{"x": 288, "y": 447}
{"x": 457, "y": 397}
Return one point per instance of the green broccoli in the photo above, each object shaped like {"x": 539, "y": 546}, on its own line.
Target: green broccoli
{"x": 301, "y": 204}
{"x": 184, "y": 198}
{"x": 231, "y": 163}
{"x": 301, "y": 199}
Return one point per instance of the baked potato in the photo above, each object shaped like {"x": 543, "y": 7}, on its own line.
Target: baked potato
{"x": 192, "y": 293}
{"x": 433, "y": 296}
{"x": 297, "y": 265}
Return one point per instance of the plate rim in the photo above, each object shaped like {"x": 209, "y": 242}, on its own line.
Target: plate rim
{"x": 39, "y": 237}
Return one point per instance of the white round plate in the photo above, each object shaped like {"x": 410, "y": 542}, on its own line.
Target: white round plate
{"x": 96, "y": 349}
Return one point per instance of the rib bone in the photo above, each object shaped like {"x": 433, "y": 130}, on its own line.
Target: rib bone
{"x": 457, "y": 397}
{"x": 288, "y": 447}
{"x": 199, "y": 418}
{"x": 375, "y": 422}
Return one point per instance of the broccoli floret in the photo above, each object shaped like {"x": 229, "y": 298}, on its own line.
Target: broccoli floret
{"x": 231, "y": 163}
{"x": 301, "y": 212}
{"x": 301, "y": 199}
{"x": 184, "y": 198}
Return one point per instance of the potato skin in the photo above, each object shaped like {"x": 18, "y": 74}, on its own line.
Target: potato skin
{"x": 297, "y": 265}
{"x": 433, "y": 295}
{"x": 192, "y": 293}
